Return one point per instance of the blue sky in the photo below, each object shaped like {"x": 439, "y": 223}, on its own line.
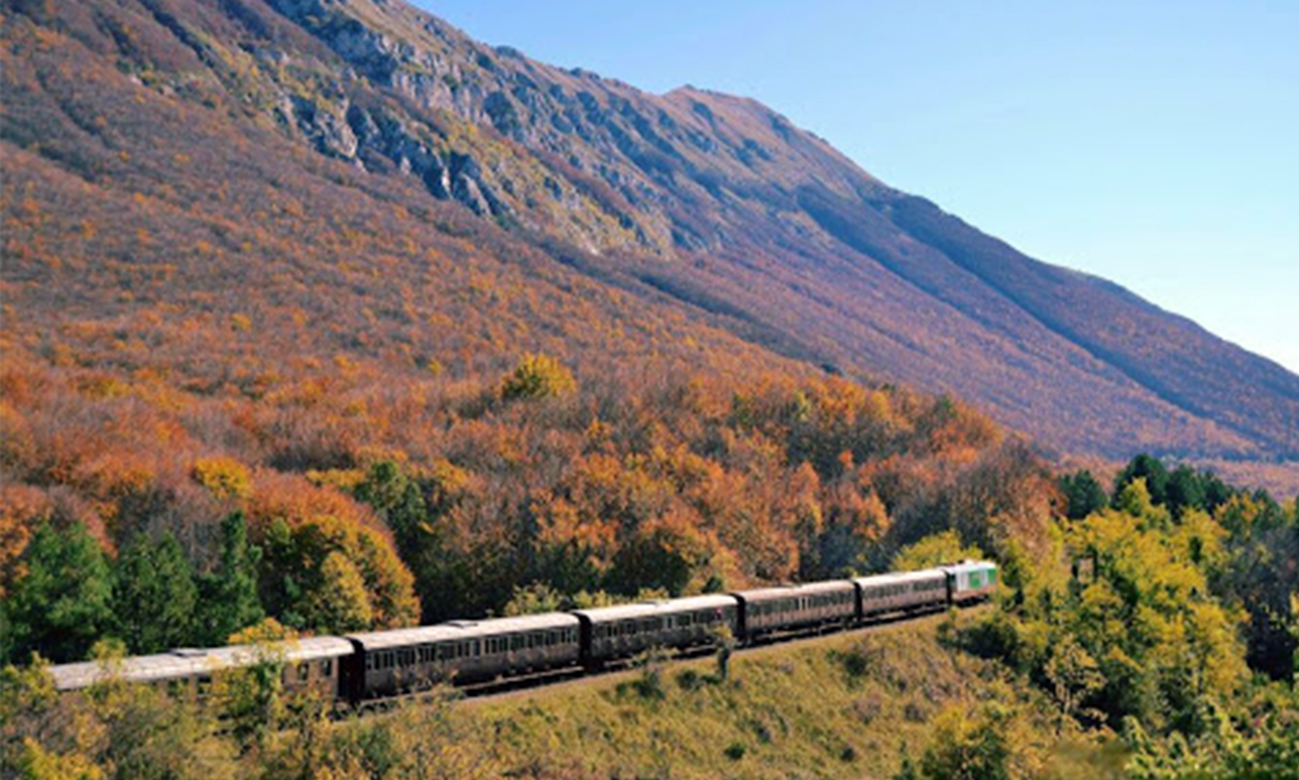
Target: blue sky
{"x": 1151, "y": 143}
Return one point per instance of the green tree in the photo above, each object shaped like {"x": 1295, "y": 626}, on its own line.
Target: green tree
{"x": 934, "y": 550}
{"x": 64, "y": 602}
{"x": 154, "y": 595}
{"x": 340, "y": 602}
{"x": 398, "y": 501}
{"x": 965, "y": 748}
{"x": 1146, "y": 467}
{"x": 1073, "y": 676}
{"x": 1083, "y": 494}
{"x": 229, "y": 594}
{"x": 1185, "y": 490}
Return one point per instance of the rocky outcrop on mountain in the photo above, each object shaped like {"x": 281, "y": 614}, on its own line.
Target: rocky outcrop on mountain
{"x": 711, "y": 205}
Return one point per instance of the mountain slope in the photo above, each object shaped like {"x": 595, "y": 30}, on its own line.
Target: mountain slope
{"x": 406, "y": 153}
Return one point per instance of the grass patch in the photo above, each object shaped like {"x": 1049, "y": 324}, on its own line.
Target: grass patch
{"x": 838, "y": 707}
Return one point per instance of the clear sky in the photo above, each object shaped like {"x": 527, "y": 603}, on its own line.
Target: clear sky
{"x": 1153, "y": 143}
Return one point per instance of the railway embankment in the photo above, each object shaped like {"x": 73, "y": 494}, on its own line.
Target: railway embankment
{"x": 845, "y": 705}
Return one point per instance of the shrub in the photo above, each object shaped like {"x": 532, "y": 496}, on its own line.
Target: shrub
{"x": 538, "y": 376}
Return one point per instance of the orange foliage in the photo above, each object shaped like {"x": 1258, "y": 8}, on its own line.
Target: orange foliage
{"x": 22, "y": 510}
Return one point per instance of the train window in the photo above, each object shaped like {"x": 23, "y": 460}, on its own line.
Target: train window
{"x": 204, "y": 684}
{"x": 304, "y": 672}
{"x": 326, "y": 667}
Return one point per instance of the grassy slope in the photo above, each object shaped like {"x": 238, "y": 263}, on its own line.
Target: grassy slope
{"x": 843, "y": 706}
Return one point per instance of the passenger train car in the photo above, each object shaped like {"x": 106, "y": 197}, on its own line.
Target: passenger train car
{"x": 379, "y": 664}
{"x": 611, "y": 633}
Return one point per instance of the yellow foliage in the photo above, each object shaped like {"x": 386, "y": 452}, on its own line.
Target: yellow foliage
{"x": 223, "y": 476}
{"x": 269, "y": 630}
{"x": 344, "y": 480}
{"x": 538, "y": 376}
{"x": 37, "y": 763}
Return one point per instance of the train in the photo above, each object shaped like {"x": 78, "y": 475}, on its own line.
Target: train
{"x": 361, "y": 667}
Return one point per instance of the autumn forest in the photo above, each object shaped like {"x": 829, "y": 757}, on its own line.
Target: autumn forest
{"x": 321, "y": 317}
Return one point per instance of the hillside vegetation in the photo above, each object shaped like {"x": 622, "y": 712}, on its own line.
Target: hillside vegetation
{"x": 1146, "y": 663}
{"x": 369, "y": 503}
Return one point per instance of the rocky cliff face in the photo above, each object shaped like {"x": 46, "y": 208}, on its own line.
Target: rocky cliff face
{"x": 713, "y": 204}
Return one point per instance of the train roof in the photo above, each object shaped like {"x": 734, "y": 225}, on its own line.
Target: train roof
{"x": 462, "y": 629}
{"x": 964, "y": 566}
{"x": 654, "y": 608}
{"x": 893, "y": 579}
{"x": 786, "y": 591}
{"x": 191, "y": 662}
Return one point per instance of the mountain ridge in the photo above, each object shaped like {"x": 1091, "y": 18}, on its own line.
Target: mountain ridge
{"x": 718, "y": 203}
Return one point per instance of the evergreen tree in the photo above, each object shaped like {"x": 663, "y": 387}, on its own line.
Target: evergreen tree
{"x": 1083, "y": 493}
{"x": 154, "y": 596}
{"x": 64, "y": 602}
{"x": 1149, "y": 468}
{"x": 399, "y": 503}
{"x": 229, "y": 594}
{"x": 1216, "y": 492}
{"x": 1186, "y": 490}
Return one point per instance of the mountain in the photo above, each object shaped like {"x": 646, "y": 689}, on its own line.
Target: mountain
{"x": 356, "y": 179}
